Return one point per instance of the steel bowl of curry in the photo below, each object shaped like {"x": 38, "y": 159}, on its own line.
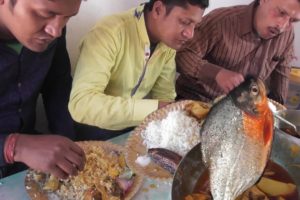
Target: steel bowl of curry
{"x": 280, "y": 181}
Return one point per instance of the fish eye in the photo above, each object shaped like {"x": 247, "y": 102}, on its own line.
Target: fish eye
{"x": 254, "y": 90}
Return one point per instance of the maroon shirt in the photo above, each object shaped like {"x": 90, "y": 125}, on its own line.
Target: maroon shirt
{"x": 226, "y": 39}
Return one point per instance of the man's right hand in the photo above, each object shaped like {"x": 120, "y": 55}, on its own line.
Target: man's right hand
{"x": 228, "y": 80}
{"x": 53, "y": 154}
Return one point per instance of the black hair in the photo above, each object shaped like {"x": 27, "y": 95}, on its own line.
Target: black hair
{"x": 256, "y": 2}
{"x": 181, "y": 3}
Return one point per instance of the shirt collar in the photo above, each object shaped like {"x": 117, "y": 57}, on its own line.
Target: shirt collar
{"x": 139, "y": 16}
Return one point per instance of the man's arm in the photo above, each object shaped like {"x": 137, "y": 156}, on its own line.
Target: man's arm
{"x": 191, "y": 59}
{"x": 47, "y": 153}
{"x": 56, "y": 91}
{"x": 279, "y": 78}
{"x": 88, "y": 102}
{"x": 52, "y": 154}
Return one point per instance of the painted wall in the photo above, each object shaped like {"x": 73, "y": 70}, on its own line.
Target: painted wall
{"x": 92, "y": 10}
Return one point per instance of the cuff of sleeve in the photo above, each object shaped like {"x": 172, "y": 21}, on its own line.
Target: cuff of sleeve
{"x": 209, "y": 70}
{"x": 2, "y": 141}
{"x": 143, "y": 107}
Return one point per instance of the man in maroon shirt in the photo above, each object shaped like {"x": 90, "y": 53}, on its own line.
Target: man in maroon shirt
{"x": 234, "y": 42}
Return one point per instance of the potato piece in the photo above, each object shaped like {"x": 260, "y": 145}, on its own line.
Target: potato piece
{"x": 113, "y": 171}
{"x": 122, "y": 161}
{"x": 275, "y": 188}
{"x": 253, "y": 194}
{"x": 257, "y": 193}
{"x": 198, "y": 109}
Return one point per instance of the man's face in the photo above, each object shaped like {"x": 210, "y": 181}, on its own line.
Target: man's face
{"x": 177, "y": 27}
{"x": 36, "y": 23}
{"x": 273, "y": 17}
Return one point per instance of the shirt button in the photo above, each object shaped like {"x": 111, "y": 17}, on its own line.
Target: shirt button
{"x": 20, "y": 110}
{"x": 19, "y": 84}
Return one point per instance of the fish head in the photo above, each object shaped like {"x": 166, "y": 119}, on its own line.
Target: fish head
{"x": 250, "y": 96}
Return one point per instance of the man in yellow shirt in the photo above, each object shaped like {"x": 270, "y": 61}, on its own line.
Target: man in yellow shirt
{"x": 126, "y": 68}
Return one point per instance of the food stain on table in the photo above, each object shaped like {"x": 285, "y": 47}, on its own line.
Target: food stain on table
{"x": 151, "y": 186}
{"x": 295, "y": 150}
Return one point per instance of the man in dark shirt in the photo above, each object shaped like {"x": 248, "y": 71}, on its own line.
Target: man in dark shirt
{"x": 34, "y": 60}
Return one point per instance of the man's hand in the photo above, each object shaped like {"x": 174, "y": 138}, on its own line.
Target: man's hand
{"x": 228, "y": 80}
{"x": 50, "y": 153}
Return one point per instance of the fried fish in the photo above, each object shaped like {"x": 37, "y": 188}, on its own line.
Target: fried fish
{"x": 236, "y": 139}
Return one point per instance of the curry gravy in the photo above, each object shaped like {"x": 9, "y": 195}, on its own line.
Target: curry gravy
{"x": 273, "y": 171}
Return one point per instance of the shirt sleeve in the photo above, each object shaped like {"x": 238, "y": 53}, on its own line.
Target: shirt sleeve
{"x": 56, "y": 91}
{"x": 88, "y": 103}
{"x": 2, "y": 141}
{"x": 190, "y": 60}
{"x": 164, "y": 87}
{"x": 279, "y": 78}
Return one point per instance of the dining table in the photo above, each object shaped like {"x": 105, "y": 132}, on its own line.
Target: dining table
{"x": 13, "y": 188}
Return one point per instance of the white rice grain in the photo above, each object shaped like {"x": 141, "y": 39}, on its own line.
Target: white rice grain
{"x": 177, "y": 132}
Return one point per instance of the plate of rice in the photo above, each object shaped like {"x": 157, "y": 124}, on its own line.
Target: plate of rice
{"x": 174, "y": 127}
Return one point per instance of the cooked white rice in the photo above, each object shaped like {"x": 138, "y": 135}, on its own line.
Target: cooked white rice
{"x": 177, "y": 132}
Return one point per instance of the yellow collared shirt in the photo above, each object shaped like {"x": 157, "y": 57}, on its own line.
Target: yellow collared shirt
{"x": 113, "y": 57}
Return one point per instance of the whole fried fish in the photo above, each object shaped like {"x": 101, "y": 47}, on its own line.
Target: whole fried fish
{"x": 236, "y": 139}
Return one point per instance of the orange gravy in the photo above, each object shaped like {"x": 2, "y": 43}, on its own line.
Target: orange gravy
{"x": 276, "y": 173}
